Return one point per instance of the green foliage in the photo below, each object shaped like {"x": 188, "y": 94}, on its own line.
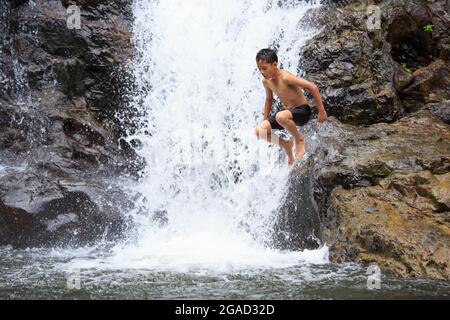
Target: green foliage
{"x": 428, "y": 27}
{"x": 405, "y": 67}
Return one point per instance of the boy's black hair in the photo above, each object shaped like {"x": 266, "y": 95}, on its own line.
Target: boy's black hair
{"x": 267, "y": 55}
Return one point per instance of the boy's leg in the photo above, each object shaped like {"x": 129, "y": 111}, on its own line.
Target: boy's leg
{"x": 264, "y": 131}
{"x": 284, "y": 118}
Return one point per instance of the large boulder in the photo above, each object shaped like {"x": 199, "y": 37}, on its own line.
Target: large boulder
{"x": 37, "y": 210}
{"x": 441, "y": 110}
{"x": 69, "y": 78}
{"x": 381, "y": 194}
{"x": 298, "y": 224}
{"x": 430, "y": 84}
{"x": 61, "y": 145}
{"x": 369, "y": 75}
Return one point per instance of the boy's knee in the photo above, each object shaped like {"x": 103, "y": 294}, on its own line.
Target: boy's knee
{"x": 257, "y": 132}
{"x": 280, "y": 117}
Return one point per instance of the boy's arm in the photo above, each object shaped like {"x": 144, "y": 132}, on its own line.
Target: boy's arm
{"x": 297, "y": 81}
{"x": 269, "y": 100}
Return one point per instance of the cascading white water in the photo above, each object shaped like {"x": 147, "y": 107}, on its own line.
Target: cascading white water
{"x": 12, "y": 77}
{"x": 210, "y": 188}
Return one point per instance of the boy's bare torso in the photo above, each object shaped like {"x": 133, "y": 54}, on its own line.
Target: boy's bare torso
{"x": 290, "y": 96}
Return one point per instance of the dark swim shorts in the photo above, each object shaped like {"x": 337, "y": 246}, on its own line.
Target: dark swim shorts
{"x": 300, "y": 114}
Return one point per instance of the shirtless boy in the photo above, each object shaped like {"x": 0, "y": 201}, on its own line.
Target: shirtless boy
{"x": 296, "y": 111}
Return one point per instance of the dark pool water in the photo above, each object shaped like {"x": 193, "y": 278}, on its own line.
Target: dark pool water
{"x": 47, "y": 274}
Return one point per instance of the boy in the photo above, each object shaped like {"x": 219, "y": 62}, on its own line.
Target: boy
{"x": 297, "y": 111}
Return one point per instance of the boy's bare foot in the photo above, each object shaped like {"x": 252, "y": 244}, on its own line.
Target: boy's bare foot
{"x": 287, "y": 146}
{"x": 299, "y": 149}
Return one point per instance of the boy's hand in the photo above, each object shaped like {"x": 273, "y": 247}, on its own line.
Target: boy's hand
{"x": 322, "y": 116}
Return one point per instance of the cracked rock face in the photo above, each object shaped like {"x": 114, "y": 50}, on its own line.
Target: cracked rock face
{"x": 370, "y": 76}
{"x": 60, "y": 146}
{"x": 381, "y": 195}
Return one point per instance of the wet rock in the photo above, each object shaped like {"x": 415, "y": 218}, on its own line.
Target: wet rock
{"x": 378, "y": 75}
{"x": 381, "y": 194}
{"x": 441, "y": 110}
{"x": 401, "y": 77}
{"x": 39, "y": 210}
{"x": 298, "y": 224}
{"x": 353, "y": 69}
{"x": 16, "y": 226}
{"x": 430, "y": 84}
{"x": 409, "y": 232}
{"x": 87, "y": 62}
{"x": 61, "y": 145}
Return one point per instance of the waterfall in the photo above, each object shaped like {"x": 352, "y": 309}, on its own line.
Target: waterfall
{"x": 209, "y": 193}
{"x": 12, "y": 79}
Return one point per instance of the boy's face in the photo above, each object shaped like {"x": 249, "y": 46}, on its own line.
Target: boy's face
{"x": 268, "y": 70}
